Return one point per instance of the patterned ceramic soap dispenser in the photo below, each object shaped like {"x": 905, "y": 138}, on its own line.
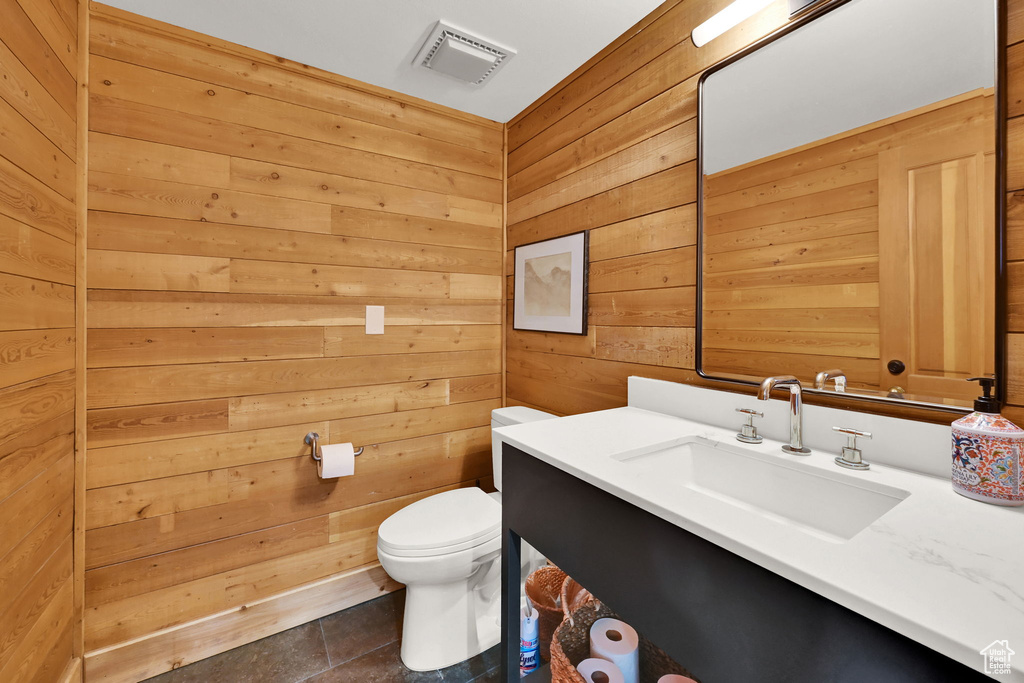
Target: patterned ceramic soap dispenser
{"x": 987, "y": 452}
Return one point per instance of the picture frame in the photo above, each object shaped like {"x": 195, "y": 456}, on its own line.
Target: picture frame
{"x": 550, "y": 285}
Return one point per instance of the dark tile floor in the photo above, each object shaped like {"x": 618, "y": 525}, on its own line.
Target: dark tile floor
{"x": 357, "y": 645}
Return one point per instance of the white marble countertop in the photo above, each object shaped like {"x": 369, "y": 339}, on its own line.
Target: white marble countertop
{"x": 941, "y": 569}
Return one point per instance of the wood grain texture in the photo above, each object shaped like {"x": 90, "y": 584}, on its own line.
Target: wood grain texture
{"x": 289, "y": 489}
{"x": 149, "y": 234}
{"x": 628, "y": 104}
{"x": 123, "y": 36}
{"x": 165, "y": 650}
{"x": 814, "y": 229}
{"x": 636, "y": 81}
{"x": 38, "y": 183}
{"x": 137, "y": 82}
{"x": 1015, "y": 182}
{"x": 243, "y": 213}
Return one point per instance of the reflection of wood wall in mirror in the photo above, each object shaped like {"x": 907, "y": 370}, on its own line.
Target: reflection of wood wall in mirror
{"x": 791, "y": 252}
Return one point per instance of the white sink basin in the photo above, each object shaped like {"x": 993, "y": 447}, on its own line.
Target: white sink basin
{"x": 835, "y": 506}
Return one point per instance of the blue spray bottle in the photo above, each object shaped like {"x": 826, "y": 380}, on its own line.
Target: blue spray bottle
{"x": 529, "y": 641}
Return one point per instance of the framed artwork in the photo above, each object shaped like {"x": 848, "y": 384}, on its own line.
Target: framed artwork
{"x": 551, "y": 285}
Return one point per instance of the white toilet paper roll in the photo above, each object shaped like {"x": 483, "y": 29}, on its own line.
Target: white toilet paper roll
{"x": 599, "y": 671}
{"x": 617, "y": 642}
{"x": 336, "y": 460}
{"x": 675, "y": 678}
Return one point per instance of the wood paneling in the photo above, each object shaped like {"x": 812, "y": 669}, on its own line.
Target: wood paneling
{"x": 630, "y": 103}
{"x": 808, "y": 240}
{"x": 243, "y": 212}
{"x": 38, "y": 179}
{"x": 1015, "y": 184}
{"x": 174, "y": 648}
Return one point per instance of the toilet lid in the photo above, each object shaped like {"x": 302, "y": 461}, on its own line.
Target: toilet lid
{"x": 444, "y": 522}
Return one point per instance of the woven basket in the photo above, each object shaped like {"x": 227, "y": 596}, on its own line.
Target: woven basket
{"x": 574, "y": 596}
{"x": 570, "y": 645}
{"x": 544, "y": 588}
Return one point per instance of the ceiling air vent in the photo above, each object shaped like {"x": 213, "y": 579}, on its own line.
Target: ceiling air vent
{"x": 456, "y": 53}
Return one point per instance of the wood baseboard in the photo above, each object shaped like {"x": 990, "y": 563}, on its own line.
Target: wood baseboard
{"x": 171, "y": 648}
{"x": 73, "y": 672}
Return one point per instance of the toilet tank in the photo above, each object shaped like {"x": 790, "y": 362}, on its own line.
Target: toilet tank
{"x": 502, "y": 417}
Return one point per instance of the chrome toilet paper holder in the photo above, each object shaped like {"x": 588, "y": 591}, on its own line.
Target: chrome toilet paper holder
{"x": 313, "y": 439}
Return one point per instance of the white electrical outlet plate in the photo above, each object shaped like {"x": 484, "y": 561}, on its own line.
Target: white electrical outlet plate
{"x": 374, "y": 320}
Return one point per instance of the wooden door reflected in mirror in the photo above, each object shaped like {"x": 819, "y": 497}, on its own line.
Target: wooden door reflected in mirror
{"x": 935, "y": 205}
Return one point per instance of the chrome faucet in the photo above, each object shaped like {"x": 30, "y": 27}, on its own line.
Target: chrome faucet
{"x": 796, "y": 406}
{"x": 822, "y": 378}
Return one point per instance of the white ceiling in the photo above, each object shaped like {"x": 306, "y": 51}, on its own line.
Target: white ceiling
{"x": 375, "y": 41}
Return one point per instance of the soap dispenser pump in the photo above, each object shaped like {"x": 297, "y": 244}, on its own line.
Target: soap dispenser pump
{"x": 987, "y": 452}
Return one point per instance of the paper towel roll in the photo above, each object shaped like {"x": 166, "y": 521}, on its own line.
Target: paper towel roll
{"x": 675, "y": 678}
{"x": 617, "y": 642}
{"x": 336, "y": 460}
{"x": 592, "y": 670}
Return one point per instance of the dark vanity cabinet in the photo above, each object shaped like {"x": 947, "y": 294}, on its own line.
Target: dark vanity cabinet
{"x": 722, "y": 617}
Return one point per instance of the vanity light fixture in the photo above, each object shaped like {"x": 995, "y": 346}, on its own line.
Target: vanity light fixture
{"x": 726, "y": 19}
{"x": 798, "y": 6}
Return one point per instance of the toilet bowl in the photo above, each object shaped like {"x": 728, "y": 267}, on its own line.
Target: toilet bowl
{"x": 446, "y": 549}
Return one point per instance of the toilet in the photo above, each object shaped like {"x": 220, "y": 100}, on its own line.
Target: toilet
{"x": 446, "y": 549}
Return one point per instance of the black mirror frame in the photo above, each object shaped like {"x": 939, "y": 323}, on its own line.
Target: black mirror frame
{"x": 1001, "y": 322}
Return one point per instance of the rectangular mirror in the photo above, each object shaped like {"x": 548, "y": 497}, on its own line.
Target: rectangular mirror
{"x": 849, "y": 201}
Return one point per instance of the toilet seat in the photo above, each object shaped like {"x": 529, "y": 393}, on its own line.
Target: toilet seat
{"x": 441, "y": 524}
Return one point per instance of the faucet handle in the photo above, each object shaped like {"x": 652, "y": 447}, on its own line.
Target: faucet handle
{"x": 748, "y": 432}
{"x": 851, "y": 457}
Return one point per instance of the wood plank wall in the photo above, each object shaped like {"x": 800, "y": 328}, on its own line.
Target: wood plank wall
{"x": 612, "y": 149}
{"x": 38, "y": 142}
{"x": 243, "y": 212}
{"x": 791, "y": 268}
{"x": 1015, "y": 208}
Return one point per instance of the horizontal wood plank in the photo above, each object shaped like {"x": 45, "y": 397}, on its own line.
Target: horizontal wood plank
{"x": 664, "y": 190}
{"x": 161, "y": 272}
{"x": 112, "y": 309}
{"x": 670, "y": 307}
{"x": 28, "y": 201}
{"x": 35, "y": 254}
{"x": 134, "y": 43}
{"x": 110, "y": 387}
{"x": 337, "y": 190}
{"x": 30, "y": 354}
{"x": 667, "y": 229}
{"x": 295, "y": 407}
{"x": 151, "y": 234}
{"x": 660, "y": 269}
{"x": 408, "y": 424}
{"x": 137, "y": 424}
{"x": 354, "y": 222}
{"x": 115, "y": 465}
{"x": 134, "y": 195}
{"x": 176, "y": 346}
{"x": 269, "y": 277}
{"x": 352, "y": 341}
{"x": 29, "y": 404}
{"x": 189, "y": 96}
{"x": 152, "y": 123}
{"x": 474, "y": 388}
